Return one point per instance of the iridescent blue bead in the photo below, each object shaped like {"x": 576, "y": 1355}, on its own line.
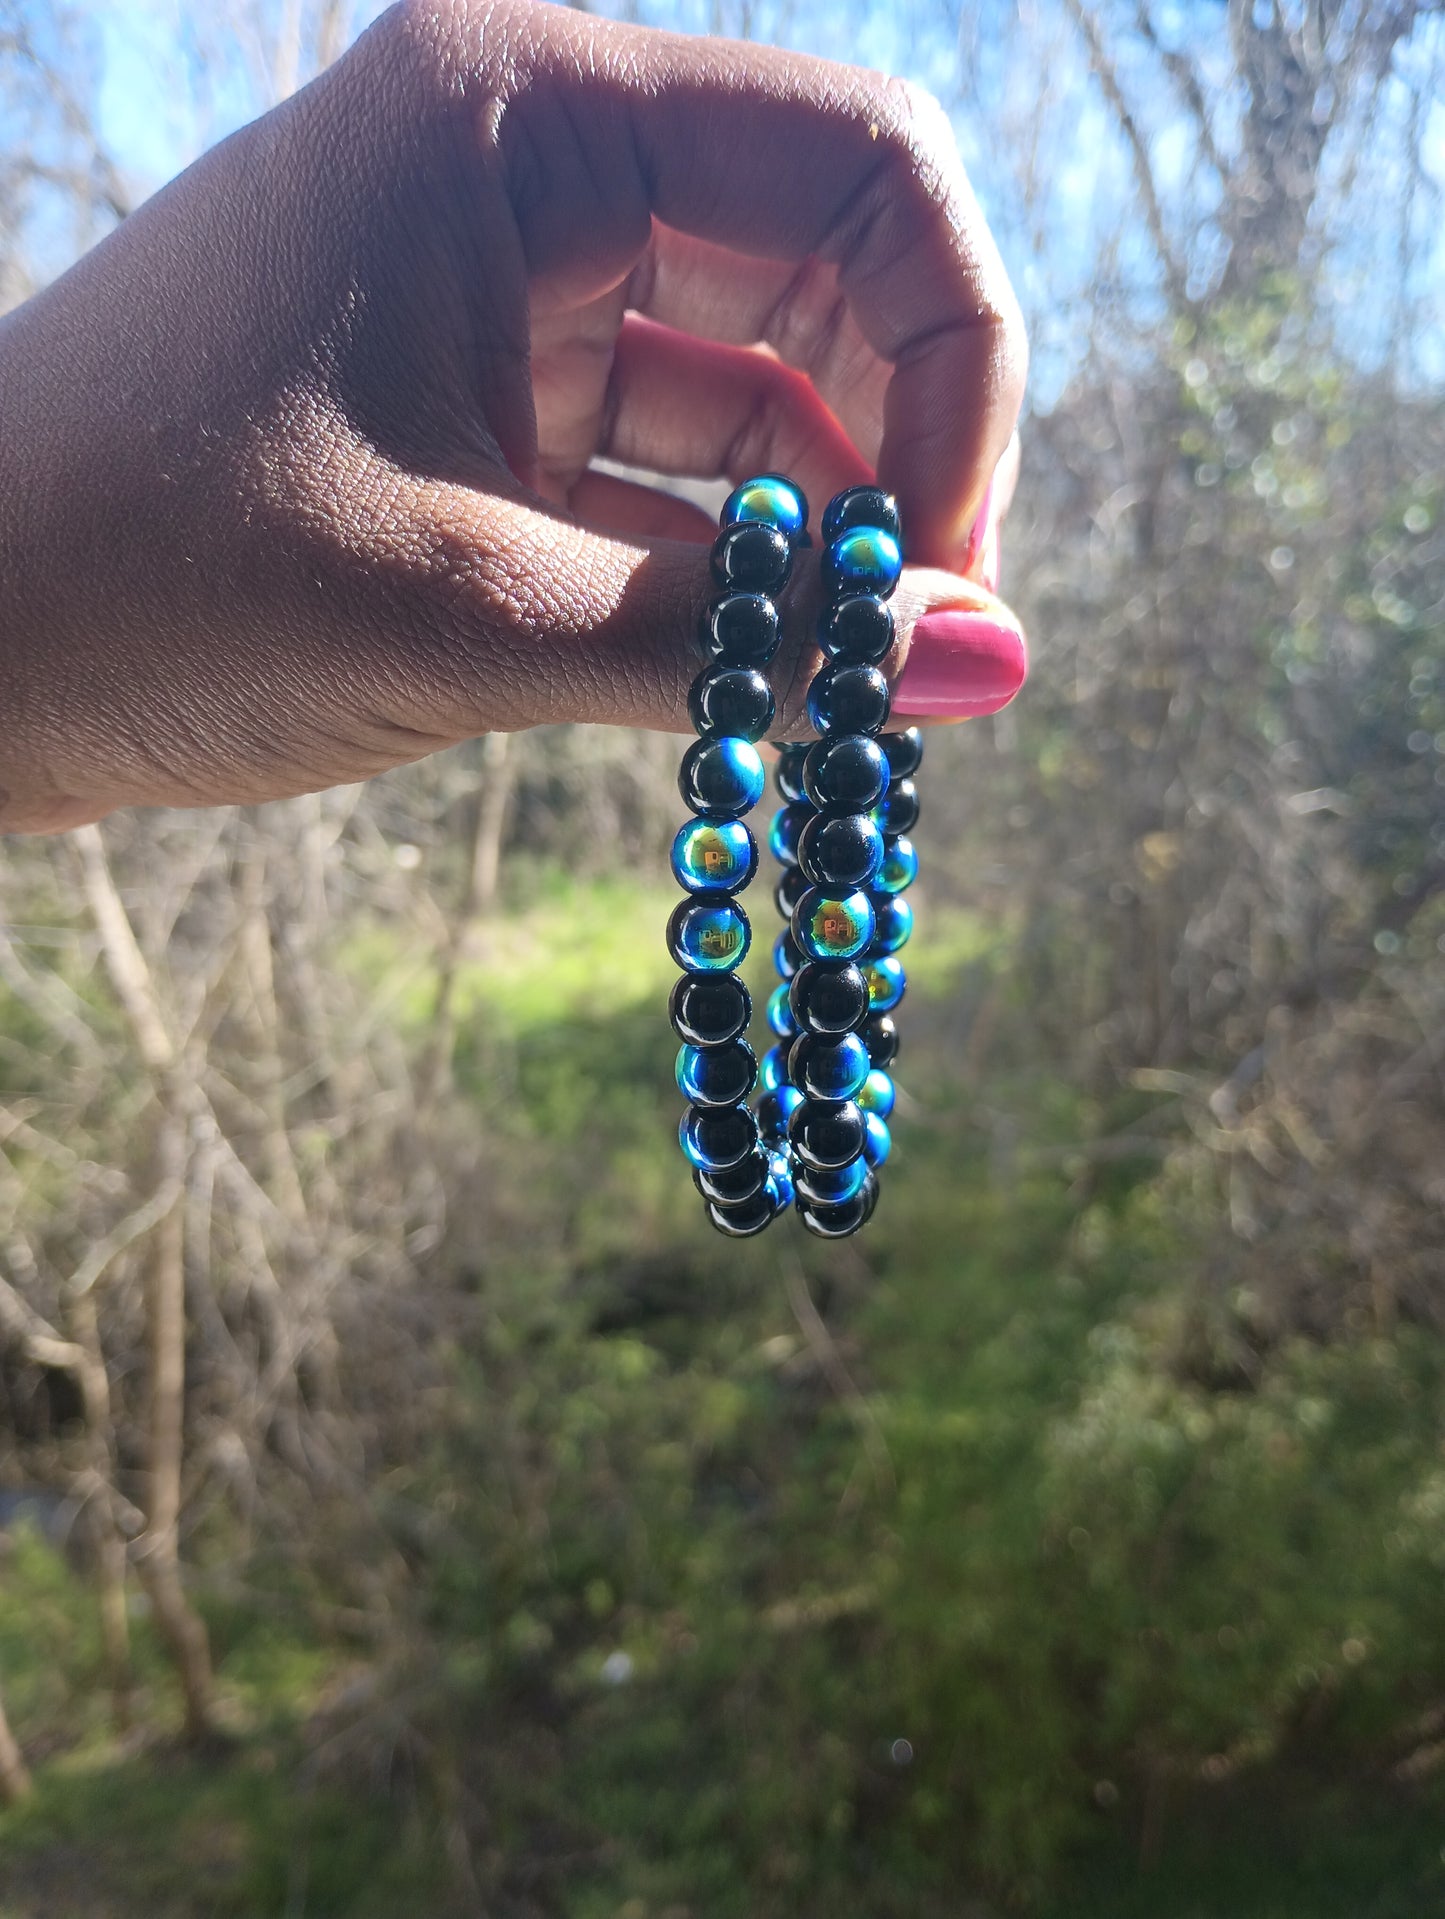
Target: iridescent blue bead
{"x": 840, "y": 850}
{"x": 846, "y": 773}
{"x": 787, "y": 827}
{"x": 838, "y": 1221}
{"x": 752, "y": 558}
{"x": 722, "y": 777}
{"x": 713, "y": 856}
{"x": 780, "y": 1014}
{"x": 865, "y": 559}
{"x": 826, "y": 1135}
{"x": 858, "y": 628}
{"x": 733, "y": 700}
{"x": 861, "y": 506}
{"x": 708, "y": 936}
{"x": 771, "y": 499}
{"x": 880, "y": 1036}
{"x": 709, "y": 1009}
{"x": 773, "y": 1070}
{"x": 897, "y": 811}
{"x": 825, "y": 1068}
{"x": 879, "y": 1143}
{"x": 739, "y": 1182}
{"x": 716, "y": 1075}
{"x": 886, "y": 981}
{"x": 828, "y": 997}
{"x": 815, "y": 1187}
{"x": 900, "y": 866}
{"x": 780, "y": 1182}
{"x": 827, "y": 927}
{"x": 745, "y": 1220}
{"x": 892, "y": 925}
{"x": 788, "y": 773}
{"x": 903, "y": 751}
{"x": 848, "y": 697}
{"x": 716, "y": 1138}
{"x": 774, "y": 1111}
{"x": 788, "y": 956}
{"x": 878, "y": 1093}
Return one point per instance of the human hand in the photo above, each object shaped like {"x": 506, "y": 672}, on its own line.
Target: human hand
{"x": 296, "y": 472}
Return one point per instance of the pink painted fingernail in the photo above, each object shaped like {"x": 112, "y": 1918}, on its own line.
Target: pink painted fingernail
{"x": 978, "y": 533}
{"x": 961, "y": 662}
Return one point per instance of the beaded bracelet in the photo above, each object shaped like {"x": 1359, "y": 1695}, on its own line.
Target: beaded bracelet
{"x": 820, "y": 1132}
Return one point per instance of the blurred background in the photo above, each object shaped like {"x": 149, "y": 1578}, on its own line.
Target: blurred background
{"x": 406, "y": 1503}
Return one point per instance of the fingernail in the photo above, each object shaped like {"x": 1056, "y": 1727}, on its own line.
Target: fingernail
{"x": 978, "y": 533}
{"x": 961, "y": 661}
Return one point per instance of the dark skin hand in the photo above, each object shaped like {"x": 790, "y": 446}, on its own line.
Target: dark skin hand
{"x": 296, "y": 467}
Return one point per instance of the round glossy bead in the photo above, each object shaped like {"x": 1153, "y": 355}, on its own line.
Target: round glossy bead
{"x": 837, "y": 1222}
{"x": 773, "y": 1069}
{"x": 865, "y": 559}
{"x": 733, "y": 700}
{"x": 708, "y": 936}
{"x": 846, "y": 773}
{"x": 877, "y": 1094}
{"x": 857, "y": 628}
{"x": 788, "y": 956}
{"x": 771, "y": 499}
{"x": 717, "y": 1075}
{"x": 829, "y": 927}
{"x": 788, "y": 773}
{"x": 739, "y": 1182}
{"x": 744, "y": 1221}
{"x": 840, "y": 849}
{"x": 861, "y": 506}
{"x": 742, "y": 630}
{"x": 716, "y": 1138}
{"x": 879, "y": 1141}
{"x": 713, "y": 856}
{"x": 789, "y": 890}
{"x": 823, "y": 1135}
{"x": 892, "y": 925}
{"x": 880, "y": 1036}
{"x": 787, "y": 827}
{"x": 817, "y": 1188}
{"x": 903, "y": 751}
{"x": 900, "y": 866}
{"x": 897, "y": 811}
{"x": 752, "y": 558}
{"x": 780, "y": 1182}
{"x": 848, "y": 697}
{"x": 774, "y": 1111}
{"x": 709, "y": 1009}
{"x": 780, "y": 1014}
{"x": 829, "y": 1069}
{"x": 827, "y": 998}
{"x": 722, "y": 777}
{"x": 886, "y": 981}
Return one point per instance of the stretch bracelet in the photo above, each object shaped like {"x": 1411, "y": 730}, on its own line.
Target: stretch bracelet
{"x": 820, "y": 1131}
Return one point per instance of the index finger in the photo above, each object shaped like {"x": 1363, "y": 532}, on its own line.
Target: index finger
{"x": 775, "y": 154}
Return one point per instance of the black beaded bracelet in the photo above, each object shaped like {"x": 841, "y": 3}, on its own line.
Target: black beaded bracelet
{"x": 820, "y": 1132}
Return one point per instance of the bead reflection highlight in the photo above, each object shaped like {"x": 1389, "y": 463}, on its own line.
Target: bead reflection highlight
{"x": 713, "y": 856}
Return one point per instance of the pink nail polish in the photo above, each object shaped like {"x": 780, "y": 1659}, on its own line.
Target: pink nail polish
{"x": 978, "y": 533}
{"x": 961, "y": 662}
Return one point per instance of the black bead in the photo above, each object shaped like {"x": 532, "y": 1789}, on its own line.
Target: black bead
{"x": 827, "y": 1133}
{"x": 828, "y": 997}
{"x": 790, "y": 889}
{"x": 848, "y": 697}
{"x": 898, "y": 812}
{"x": 823, "y": 1066}
{"x": 751, "y": 557}
{"x": 861, "y": 506}
{"x": 738, "y": 1183}
{"x": 839, "y": 1184}
{"x": 788, "y": 773}
{"x": 743, "y": 1221}
{"x": 857, "y": 628}
{"x": 838, "y": 1221}
{"x": 846, "y": 773}
{"x": 725, "y": 1134}
{"x": 723, "y": 1075}
{"x": 742, "y": 630}
{"x": 880, "y": 1036}
{"x": 709, "y": 1009}
{"x": 840, "y": 849}
{"x": 734, "y": 700}
{"x": 903, "y": 751}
